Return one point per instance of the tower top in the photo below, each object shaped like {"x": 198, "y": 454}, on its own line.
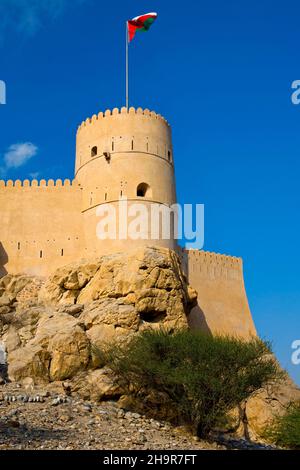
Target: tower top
{"x": 123, "y": 111}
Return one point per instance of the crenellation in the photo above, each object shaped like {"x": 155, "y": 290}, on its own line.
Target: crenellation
{"x": 18, "y": 184}
{"x": 212, "y": 265}
{"x": 116, "y": 112}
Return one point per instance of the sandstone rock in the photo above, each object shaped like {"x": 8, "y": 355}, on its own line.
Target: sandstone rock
{"x": 5, "y": 300}
{"x": 4, "y": 309}
{"x": 72, "y": 277}
{"x": 84, "y": 305}
{"x": 32, "y": 361}
{"x": 11, "y": 340}
{"x": 74, "y": 310}
{"x": 264, "y": 406}
{"x": 69, "y": 354}
{"x": 97, "y": 385}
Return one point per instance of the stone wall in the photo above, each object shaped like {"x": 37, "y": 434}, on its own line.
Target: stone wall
{"x": 40, "y": 225}
{"x": 222, "y": 300}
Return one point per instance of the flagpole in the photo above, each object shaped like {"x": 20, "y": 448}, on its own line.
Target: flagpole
{"x": 127, "y": 61}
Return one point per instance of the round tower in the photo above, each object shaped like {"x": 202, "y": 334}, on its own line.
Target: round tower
{"x": 124, "y": 155}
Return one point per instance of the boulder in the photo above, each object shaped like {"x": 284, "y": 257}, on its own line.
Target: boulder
{"x": 97, "y": 385}
{"x": 87, "y": 304}
{"x": 30, "y": 361}
{"x": 261, "y": 408}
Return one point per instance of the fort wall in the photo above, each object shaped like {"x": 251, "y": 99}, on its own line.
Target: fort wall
{"x": 222, "y": 301}
{"x": 40, "y": 225}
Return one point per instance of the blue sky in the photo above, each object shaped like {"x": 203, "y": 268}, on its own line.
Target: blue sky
{"x": 221, "y": 73}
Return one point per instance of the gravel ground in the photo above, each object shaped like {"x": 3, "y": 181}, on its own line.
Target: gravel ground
{"x": 44, "y": 419}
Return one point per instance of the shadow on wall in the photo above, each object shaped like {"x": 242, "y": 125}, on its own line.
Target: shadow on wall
{"x": 197, "y": 321}
{"x": 3, "y": 261}
{"x": 196, "y": 318}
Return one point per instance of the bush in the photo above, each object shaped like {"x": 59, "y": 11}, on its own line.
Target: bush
{"x": 285, "y": 430}
{"x": 203, "y": 377}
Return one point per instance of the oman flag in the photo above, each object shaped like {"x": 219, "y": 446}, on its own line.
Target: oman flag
{"x": 140, "y": 23}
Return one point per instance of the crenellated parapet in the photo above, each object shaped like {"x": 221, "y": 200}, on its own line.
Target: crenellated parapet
{"x": 10, "y": 184}
{"x": 117, "y": 131}
{"x": 116, "y": 112}
{"x": 211, "y": 265}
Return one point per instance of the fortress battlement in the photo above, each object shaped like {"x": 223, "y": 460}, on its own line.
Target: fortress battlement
{"x": 10, "y": 184}
{"x": 208, "y": 265}
{"x": 209, "y": 257}
{"x": 119, "y": 113}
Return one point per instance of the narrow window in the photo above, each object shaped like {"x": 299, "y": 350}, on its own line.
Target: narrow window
{"x": 143, "y": 189}
{"x": 113, "y": 146}
{"x": 132, "y": 144}
{"x": 19, "y": 245}
{"x": 62, "y": 252}
{"x": 94, "y": 151}
{"x": 169, "y": 155}
{"x": 105, "y": 196}
{"x": 41, "y": 254}
{"x": 147, "y": 146}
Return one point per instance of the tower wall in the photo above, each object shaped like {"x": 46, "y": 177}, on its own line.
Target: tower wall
{"x": 117, "y": 152}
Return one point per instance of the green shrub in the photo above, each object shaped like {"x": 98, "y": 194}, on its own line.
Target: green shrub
{"x": 285, "y": 430}
{"x": 203, "y": 377}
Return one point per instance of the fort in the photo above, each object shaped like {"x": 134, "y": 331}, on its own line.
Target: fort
{"x": 119, "y": 153}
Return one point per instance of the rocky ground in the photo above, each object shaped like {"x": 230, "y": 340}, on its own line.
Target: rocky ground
{"x": 40, "y": 419}
{"x": 43, "y": 419}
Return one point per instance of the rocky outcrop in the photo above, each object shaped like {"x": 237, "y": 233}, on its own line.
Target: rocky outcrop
{"x": 51, "y": 328}
{"x": 52, "y": 334}
{"x": 261, "y": 408}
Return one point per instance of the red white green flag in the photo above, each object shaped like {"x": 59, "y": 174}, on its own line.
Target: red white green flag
{"x": 140, "y": 23}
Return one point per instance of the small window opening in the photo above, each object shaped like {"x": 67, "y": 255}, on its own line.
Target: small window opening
{"x": 113, "y": 146}
{"x": 121, "y": 193}
{"x": 143, "y": 189}
{"x": 105, "y": 196}
{"x": 41, "y": 254}
{"x": 19, "y": 245}
{"x": 169, "y": 155}
{"x": 94, "y": 151}
{"x": 62, "y": 252}
{"x": 132, "y": 145}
